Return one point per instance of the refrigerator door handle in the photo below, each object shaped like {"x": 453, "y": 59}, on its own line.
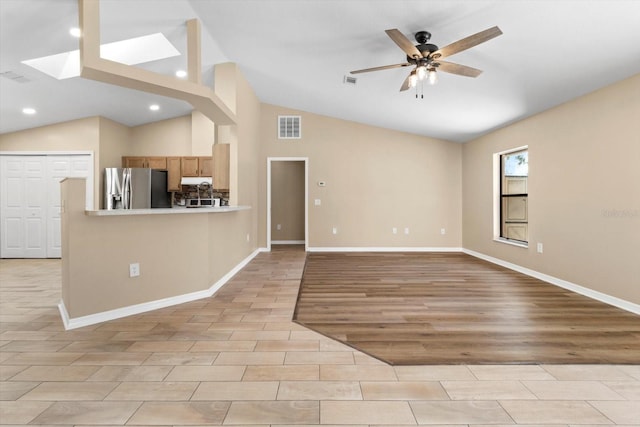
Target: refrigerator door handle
{"x": 126, "y": 188}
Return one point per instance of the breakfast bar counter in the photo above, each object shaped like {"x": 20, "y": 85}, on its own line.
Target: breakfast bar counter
{"x": 166, "y": 211}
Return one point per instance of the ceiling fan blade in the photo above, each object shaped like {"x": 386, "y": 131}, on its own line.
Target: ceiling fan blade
{"x": 404, "y": 43}
{"x": 466, "y": 43}
{"x": 384, "y": 67}
{"x": 406, "y": 85}
{"x": 461, "y": 70}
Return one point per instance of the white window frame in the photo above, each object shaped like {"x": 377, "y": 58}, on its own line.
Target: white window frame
{"x": 497, "y": 199}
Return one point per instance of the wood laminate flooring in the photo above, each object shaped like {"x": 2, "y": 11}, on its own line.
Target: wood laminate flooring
{"x": 452, "y": 308}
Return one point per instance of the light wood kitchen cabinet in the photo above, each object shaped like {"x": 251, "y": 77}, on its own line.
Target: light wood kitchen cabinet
{"x": 133, "y": 162}
{"x": 206, "y": 166}
{"x": 221, "y": 166}
{"x": 174, "y": 174}
{"x": 197, "y": 166}
{"x": 144, "y": 162}
{"x": 189, "y": 166}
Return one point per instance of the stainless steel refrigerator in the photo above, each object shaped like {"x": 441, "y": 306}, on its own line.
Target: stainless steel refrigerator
{"x": 135, "y": 188}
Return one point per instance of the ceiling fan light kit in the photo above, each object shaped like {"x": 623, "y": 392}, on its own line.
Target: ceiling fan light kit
{"x": 426, "y": 58}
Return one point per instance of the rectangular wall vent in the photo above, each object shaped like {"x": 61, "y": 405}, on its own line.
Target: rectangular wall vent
{"x": 289, "y": 127}
{"x": 15, "y": 77}
{"x": 350, "y": 80}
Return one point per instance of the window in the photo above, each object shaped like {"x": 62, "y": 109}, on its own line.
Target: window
{"x": 514, "y": 173}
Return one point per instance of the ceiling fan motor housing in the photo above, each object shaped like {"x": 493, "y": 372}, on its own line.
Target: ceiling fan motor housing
{"x": 425, "y": 50}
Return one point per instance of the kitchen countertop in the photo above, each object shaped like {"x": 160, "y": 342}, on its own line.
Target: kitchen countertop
{"x": 166, "y": 211}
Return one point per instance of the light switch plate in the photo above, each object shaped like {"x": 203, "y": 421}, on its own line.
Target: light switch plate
{"x": 317, "y": 202}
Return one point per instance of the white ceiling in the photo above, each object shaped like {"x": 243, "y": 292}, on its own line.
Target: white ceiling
{"x": 296, "y": 53}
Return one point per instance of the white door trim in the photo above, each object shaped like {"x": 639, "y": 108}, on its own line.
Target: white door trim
{"x": 306, "y": 196}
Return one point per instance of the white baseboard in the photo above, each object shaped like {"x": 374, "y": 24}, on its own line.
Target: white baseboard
{"x": 118, "y": 313}
{"x": 287, "y": 242}
{"x": 599, "y": 296}
{"x": 381, "y": 249}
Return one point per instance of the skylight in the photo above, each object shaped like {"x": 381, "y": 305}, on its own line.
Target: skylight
{"x": 133, "y": 51}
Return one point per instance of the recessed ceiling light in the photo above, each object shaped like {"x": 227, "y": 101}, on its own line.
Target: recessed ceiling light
{"x": 75, "y": 32}
{"x": 130, "y": 52}
{"x": 181, "y": 74}
{"x": 28, "y": 110}
{"x": 154, "y": 107}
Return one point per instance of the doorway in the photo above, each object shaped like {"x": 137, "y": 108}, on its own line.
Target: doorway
{"x": 287, "y": 201}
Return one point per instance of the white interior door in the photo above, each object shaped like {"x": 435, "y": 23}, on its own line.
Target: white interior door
{"x": 23, "y": 207}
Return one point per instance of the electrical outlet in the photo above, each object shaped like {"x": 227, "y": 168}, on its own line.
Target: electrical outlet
{"x": 317, "y": 202}
{"x": 279, "y": 227}
{"x": 335, "y": 230}
{"x": 248, "y": 237}
{"x": 394, "y": 230}
{"x": 134, "y": 269}
{"x": 443, "y": 231}
{"x": 406, "y": 230}
{"x": 539, "y": 248}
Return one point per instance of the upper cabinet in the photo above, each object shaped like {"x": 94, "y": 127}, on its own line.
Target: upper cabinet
{"x": 197, "y": 166}
{"x": 216, "y": 167}
{"x": 175, "y": 174}
{"x": 144, "y": 162}
{"x": 221, "y": 166}
{"x": 206, "y": 166}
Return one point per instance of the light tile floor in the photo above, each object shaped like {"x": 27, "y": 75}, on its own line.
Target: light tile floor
{"x": 237, "y": 359}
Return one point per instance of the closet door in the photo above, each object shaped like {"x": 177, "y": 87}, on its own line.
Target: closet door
{"x": 23, "y": 224}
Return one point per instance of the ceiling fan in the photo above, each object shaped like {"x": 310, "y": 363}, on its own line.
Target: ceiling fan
{"x": 427, "y": 58}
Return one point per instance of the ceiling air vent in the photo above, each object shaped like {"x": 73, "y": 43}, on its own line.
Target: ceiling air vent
{"x": 14, "y": 77}
{"x": 289, "y": 127}
{"x": 349, "y": 80}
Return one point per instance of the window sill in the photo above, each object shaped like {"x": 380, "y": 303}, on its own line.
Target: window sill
{"x": 511, "y": 242}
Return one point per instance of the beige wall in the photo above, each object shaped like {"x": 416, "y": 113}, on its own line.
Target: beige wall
{"x": 203, "y": 133}
{"x": 287, "y": 200}
{"x": 75, "y": 135}
{"x": 171, "y": 137}
{"x": 376, "y": 179}
{"x": 584, "y": 194}
{"x": 245, "y": 146}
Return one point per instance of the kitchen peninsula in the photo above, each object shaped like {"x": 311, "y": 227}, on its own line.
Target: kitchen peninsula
{"x": 180, "y": 254}
{"x": 167, "y": 211}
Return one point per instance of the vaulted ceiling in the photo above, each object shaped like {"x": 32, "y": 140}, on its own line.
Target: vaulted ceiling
{"x": 296, "y": 54}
